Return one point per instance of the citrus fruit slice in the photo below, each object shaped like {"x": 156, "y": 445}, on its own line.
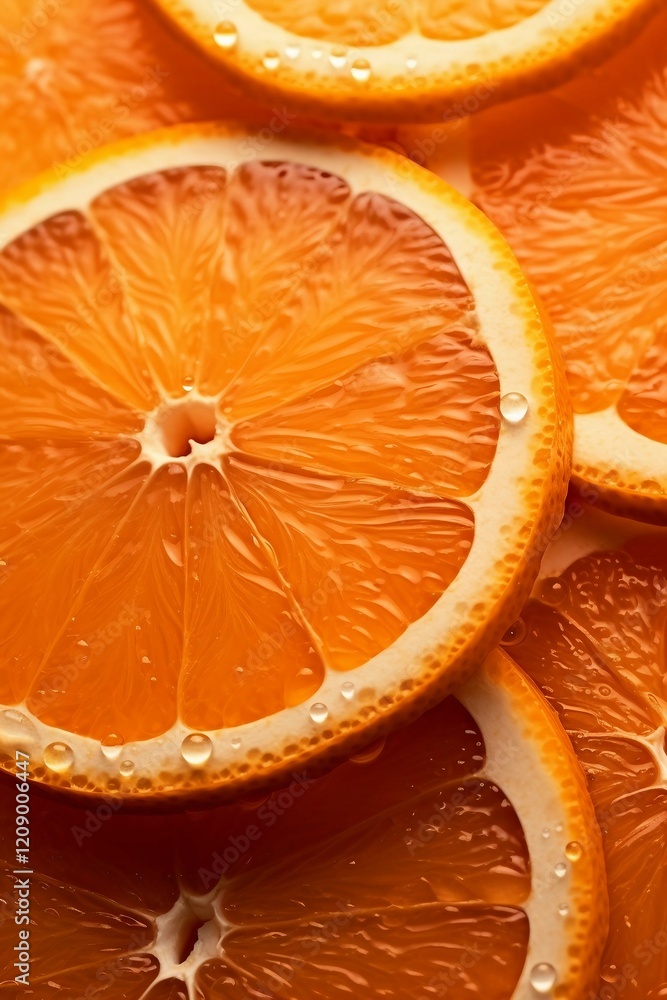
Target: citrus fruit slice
{"x": 435, "y": 864}
{"x": 77, "y": 74}
{"x": 593, "y": 638}
{"x": 403, "y": 60}
{"x": 282, "y": 453}
{"x": 573, "y": 180}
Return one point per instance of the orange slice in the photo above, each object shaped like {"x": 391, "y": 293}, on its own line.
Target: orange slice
{"x": 403, "y": 60}
{"x": 575, "y": 179}
{"x": 593, "y": 638}
{"x": 442, "y": 863}
{"x": 282, "y": 453}
{"x": 78, "y": 74}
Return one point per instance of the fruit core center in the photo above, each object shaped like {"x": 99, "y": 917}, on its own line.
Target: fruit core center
{"x": 188, "y": 936}
{"x": 186, "y": 428}
{"x": 182, "y": 423}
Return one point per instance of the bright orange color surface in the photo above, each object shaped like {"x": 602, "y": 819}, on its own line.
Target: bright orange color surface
{"x": 577, "y": 181}
{"x": 392, "y": 878}
{"x": 328, "y": 342}
{"x": 595, "y": 643}
{"x": 78, "y": 74}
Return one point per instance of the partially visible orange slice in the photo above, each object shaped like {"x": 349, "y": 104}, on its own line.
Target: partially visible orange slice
{"x": 441, "y": 863}
{"x": 404, "y": 60}
{"x": 593, "y": 638}
{"x": 576, "y": 181}
{"x": 78, "y": 74}
{"x": 282, "y": 453}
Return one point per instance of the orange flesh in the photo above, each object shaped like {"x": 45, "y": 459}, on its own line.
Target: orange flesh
{"x": 595, "y": 643}
{"x": 328, "y": 342}
{"x": 79, "y": 74}
{"x": 399, "y": 877}
{"x": 380, "y": 22}
{"x": 575, "y": 180}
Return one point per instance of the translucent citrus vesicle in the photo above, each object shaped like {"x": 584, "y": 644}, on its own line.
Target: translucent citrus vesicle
{"x": 595, "y": 643}
{"x": 404, "y": 876}
{"x": 379, "y": 22}
{"x": 253, "y": 411}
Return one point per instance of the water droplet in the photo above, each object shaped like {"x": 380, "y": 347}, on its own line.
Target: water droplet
{"x": 319, "y": 712}
{"x": 236, "y": 743}
{"x": 573, "y": 851}
{"x": 604, "y": 691}
{"x": 188, "y": 383}
{"x": 411, "y": 63}
{"x": 338, "y": 58}
{"x": 271, "y": 60}
{"x": 226, "y": 35}
{"x": 560, "y": 870}
{"x": 112, "y": 746}
{"x": 361, "y": 70}
{"x": 16, "y": 727}
{"x": 317, "y": 53}
{"x": 543, "y": 977}
{"x": 546, "y": 834}
{"x": 553, "y": 591}
{"x": 196, "y": 748}
{"x": 563, "y": 909}
{"x": 348, "y": 690}
{"x": 513, "y": 407}
{"x": 515, "y": 634}
{"x": 126, "y": 768}
{"x": 58, "y": 757}
{"x": 292, "y": 51}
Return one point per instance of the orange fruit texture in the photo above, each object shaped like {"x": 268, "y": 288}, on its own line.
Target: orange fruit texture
{"x": 404, "y": 873}
{"x": 577, "y": 181}
{"x": 404, "y": 60}
{"x": 259, "y": 451}
{"x": 77, "y": 74}
{"x": 593, "y": 639}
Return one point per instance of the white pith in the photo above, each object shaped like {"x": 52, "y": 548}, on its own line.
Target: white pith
{"x": 501, "y": 507}
{"x": 521, "y": 768}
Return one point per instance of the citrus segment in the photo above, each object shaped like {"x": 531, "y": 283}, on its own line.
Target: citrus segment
{"x": 407, "y": 875}
{"x": 363, "y": 561}
{"x": 54, "y": 531}
{"x": 578, "y": 176}
{"x": 258, "y": 541}
{"x": 259, "y": 656}
{"x": 594, "y": 642}
{"x": 379, "y": 280}
{"x": 404, "y": 60}
{"x": 45, "y": 395}
{"x": 59, "y": 280}
{"x": 446, "y": 385}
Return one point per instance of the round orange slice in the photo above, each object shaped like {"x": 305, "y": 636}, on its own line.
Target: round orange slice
{"x": 403, "y": 60}
{"x": 460, "y": 859}
{"x": 574, "y": 180}
{"x": 284, "y": 442}
{"x": 593, "y": 638}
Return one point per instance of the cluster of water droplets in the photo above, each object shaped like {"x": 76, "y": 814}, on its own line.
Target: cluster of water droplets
{"x": 226, "y": 37}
